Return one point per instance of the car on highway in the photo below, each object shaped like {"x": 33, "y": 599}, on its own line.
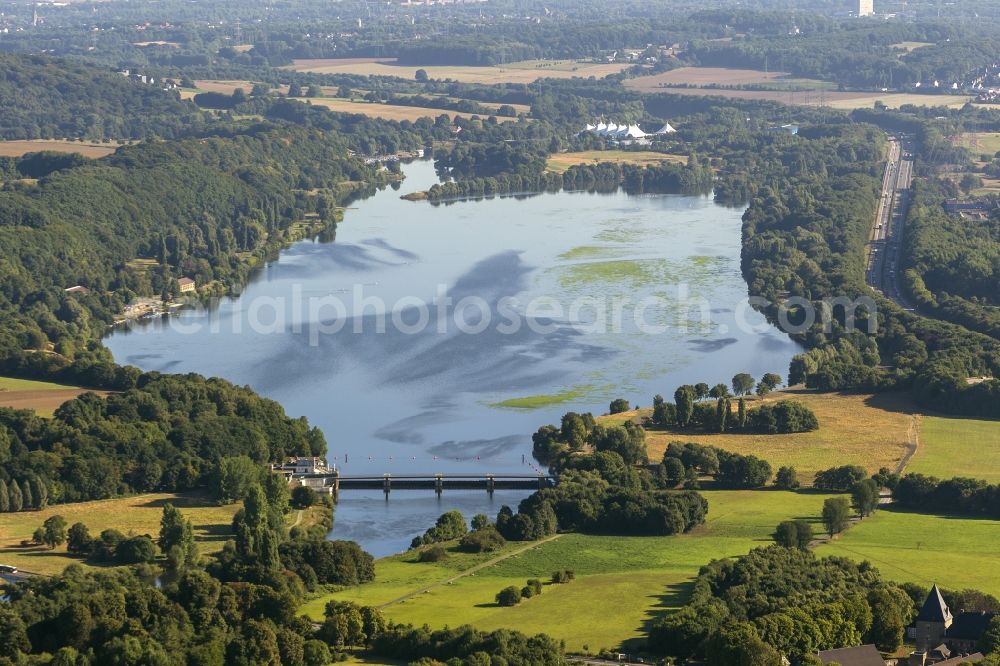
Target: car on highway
{"x": 7, "y": 569}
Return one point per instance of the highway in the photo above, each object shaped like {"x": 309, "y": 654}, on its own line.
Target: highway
{"x": 884, "y": 246}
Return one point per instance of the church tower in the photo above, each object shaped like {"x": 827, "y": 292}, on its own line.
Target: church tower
{"x": 933, "y": 621}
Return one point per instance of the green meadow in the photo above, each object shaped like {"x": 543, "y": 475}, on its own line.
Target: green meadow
{"x": 907, "y": 547}
{"x": 621, "y": 582}
{"x": 951, "y": 447}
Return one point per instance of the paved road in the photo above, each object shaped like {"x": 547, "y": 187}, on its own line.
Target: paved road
{"x": 883, "y": 273}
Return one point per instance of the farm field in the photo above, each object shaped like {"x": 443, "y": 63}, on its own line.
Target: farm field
{"x": 722, "y": 76}
{"x": 621, "y": 582}
{"x": 953, "y": 552}
{"x": 43, "y": 397}
{"x": 93, "y": 150}
{"x": 560, "y": 162}
{"x": 527, "y": 71}
{"x": 836, "y": 99}
{"x": 951, "y": 447}
{"x": 384, "y": 111}
{"x": 139, "y": 514}
{"x": 870, "y": 430}
{"x": 390, "y": 111}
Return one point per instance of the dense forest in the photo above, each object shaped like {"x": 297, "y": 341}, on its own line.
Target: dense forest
{"x": 165, "y": 433}
{"x": 44, "y": 98}
{"x": 204, "y": 209}
{"x": 953, "y": 263}
{"x": 788, "y": 602}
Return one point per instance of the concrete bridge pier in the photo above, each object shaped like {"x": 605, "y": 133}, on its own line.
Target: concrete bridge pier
{"x": 491, "y": 484}
{"x": 386, "y": 485}
{"x": 438, "y": 484}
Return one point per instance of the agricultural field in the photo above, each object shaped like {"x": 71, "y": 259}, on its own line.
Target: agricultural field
{"x": 621, "y": 582}
{"x": 947, "y": 445}
{"x": 385, "y": 111}
{"x": 560, "y": 162}
{"x": 139, "y": 514}
{"x": 951, "y": 551}
{"x": 870, "y": 430}
{"x": 722, "y": 76}
{"x": 527, "y": 71}
{"x": 389, "y": 111}
{"x": 92, "y": 150}
{"x": 805, "y": 95}
{"x": 42, "y": 397}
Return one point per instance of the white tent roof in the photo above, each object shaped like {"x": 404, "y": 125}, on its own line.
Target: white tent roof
{"x": 666, "y": 129}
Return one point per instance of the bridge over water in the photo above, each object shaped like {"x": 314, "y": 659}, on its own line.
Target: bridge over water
{"x": 334, "y": 483}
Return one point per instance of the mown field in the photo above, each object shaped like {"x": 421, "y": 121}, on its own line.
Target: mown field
{"x": 139, "y": 514}
{"x": 870, "y": 430}
{"x": 43, "y": 397}
{"x": 622, "y": 582}
{"x": 527, "y": 71}
{"x": 560, "y": 162}
{"x": 953, "y": 552}
{"x": 951, "y": 447}
{"x": 93, "y": 150}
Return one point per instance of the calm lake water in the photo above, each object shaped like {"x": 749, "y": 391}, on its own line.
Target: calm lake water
{"x": 499, "y": 316}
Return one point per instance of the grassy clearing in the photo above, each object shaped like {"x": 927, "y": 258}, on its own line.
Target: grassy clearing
{"x": 979, "y": 142}
{"x": 527, "y": 71}
{"x": 951, "y": 447}
{"x": 911, "y": 46}
{"x": 93, "y": 150}
{"x": 42, "y": 397}
{"x": 916, "y": 548}
{"x": 868, "y": 430}
{"x": 560, "y": 162}
{"x": 622, "y": 582}
{"x": 139, "y": 514}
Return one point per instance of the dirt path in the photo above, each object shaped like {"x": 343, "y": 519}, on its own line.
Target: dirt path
{"x": 912, "y": 443}
{"x": 298, "y": 519}
{"x": 470, "y": 571}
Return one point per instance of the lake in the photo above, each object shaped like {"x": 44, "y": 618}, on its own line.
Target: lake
{"x": 431, "y": 339}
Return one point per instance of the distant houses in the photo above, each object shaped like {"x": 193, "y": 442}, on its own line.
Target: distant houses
{"x": 186, "y": 285}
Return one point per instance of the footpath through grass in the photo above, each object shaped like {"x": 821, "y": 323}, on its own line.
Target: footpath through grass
{"x": 622, "y": 582}
{"x": 953, "y": 552}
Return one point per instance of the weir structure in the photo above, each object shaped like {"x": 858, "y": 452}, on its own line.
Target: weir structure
{"x": 334, "y": 483}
